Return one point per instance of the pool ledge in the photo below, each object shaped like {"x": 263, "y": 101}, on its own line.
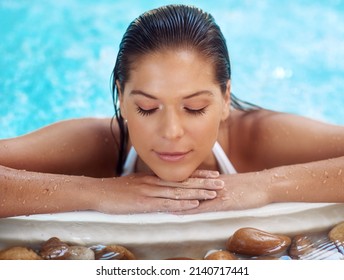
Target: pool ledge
{"x": 160, "y": 235}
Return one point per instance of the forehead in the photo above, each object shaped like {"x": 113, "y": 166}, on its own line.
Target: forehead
{"x": 172, "y": 68}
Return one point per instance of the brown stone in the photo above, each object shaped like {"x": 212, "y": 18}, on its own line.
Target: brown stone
{"x": 19, "y": 253}
{"x": 255, "y": 242}
{"x": 220, "y": 255}
{"x": 314, "y": 246}
{"x": 337, "y": 234}
{"x": 114, "y": 252}
{"x": 79, "y": 253}
{"x": 301, "y": 245}
{"x": 54, "y": 249}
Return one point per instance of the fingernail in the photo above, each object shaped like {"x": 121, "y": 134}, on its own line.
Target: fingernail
{"x": 194, "y": 202}
{"x": 210, "y": 194}
{"x": 219, "y": 183}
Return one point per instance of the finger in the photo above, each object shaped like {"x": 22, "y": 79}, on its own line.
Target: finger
{"x": 205, "y": 174}
{"x": 178, "y": 193}
{"x": 187, "y": 194}
{"x": 169, "y": 205}
{"x": 204, "y": 206}
{"x": 211, "y": 184}
{"x": 196, "y": 183}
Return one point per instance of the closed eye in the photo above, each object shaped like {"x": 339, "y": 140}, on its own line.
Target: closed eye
{"x": 200, "y": 111}
{"x": 144, "y": 112}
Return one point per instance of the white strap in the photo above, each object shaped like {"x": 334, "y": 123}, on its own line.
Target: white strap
{"x": 130, "y": 162}
{"x": 226, "y": 167}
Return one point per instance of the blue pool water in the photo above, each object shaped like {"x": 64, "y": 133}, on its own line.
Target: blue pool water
{"x": 56, "y": 57}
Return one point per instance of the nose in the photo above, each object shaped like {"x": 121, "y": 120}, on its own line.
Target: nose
{"x": 171, "y": 125}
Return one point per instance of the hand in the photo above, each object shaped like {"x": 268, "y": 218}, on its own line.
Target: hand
{"x": 140, "y": 193}
{"x": 241, "y": 191}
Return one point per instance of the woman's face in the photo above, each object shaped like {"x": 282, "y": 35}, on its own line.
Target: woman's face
{"x": 173, "y": 107}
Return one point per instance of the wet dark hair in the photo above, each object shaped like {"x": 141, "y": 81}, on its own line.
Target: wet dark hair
{"x": 164, "y": 28}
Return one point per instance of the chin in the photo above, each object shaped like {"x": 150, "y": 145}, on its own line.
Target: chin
{"x": 174, "y": 175}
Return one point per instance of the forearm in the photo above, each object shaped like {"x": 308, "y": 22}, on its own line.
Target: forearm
{"x": 25, "y": 193}
{"x": 321, "y": 181}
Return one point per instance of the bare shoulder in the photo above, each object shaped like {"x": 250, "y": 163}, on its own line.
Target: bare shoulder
{"x": 267, "y": 138}
{"x": 84, "y": 146}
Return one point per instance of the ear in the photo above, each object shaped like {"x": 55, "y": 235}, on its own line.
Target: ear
{"x": 226, "y": 101}
{"x": 121, "y": 103}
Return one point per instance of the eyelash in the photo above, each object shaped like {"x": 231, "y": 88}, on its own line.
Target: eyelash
{"x": 149, "y": 112}
{"x": 145, "y": 113}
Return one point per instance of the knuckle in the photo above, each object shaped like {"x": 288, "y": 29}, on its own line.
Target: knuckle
{"x": 177, "y": 192}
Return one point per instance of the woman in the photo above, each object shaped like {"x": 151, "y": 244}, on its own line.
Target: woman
{"x": 176, "y": 128}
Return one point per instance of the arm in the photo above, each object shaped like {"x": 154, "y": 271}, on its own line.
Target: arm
{"x": 321, "y": 181}
{"x": 30, "y": 166}
{"x": 25, "y": 193}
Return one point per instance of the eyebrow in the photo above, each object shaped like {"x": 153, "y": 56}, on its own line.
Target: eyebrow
{"x": 198, "y": 93}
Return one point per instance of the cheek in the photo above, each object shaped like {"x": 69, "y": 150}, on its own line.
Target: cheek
{"x": 140, "y": 130}
{"x": 206, "y": 128}
{"x": 207, "y": 136}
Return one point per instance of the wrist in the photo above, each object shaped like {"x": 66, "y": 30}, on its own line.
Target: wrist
{"x": 90, "y": 193}
{"x": 278, "y": 185}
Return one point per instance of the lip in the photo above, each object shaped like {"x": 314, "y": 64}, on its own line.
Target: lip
{"x": 172, "y": 156}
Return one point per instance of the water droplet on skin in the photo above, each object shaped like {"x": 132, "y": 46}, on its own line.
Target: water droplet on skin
{"x": 305, "y": 167}
{"x": 55, "y": 188}
{"x": 45, "y": 206}
{"x": 340, "y": 172}
{"x": 324, "y": 182}
{"x": 24, "y": 201}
